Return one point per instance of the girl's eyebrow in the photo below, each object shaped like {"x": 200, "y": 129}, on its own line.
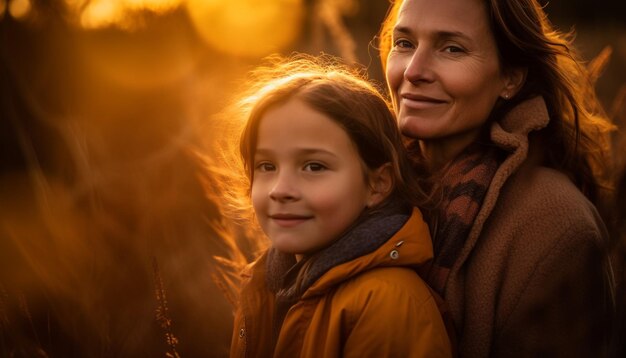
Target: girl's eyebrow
{"x": 316, "y": 151}
{"x": 302, "y": 151}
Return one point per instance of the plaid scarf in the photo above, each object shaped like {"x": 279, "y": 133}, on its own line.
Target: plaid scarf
{"x": 463, "y": 184}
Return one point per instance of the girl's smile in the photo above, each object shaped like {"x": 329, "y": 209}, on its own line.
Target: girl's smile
{"x": 289, "y": 220}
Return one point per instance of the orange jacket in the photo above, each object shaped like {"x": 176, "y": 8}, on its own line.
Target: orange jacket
{"x": 373, "y": 306}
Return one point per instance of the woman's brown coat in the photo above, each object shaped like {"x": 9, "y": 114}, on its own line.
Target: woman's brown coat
{"x": 532, "y": 277}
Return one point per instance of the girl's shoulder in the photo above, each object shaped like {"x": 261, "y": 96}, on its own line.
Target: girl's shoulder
{"x": 387, "y": 299}
{"x": 384, "y": 284}
{"x": 390, "y": 311}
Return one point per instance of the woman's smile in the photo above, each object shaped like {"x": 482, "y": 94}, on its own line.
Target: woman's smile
{"x": 418, "y": 101}
{"x": 444, "y": 73}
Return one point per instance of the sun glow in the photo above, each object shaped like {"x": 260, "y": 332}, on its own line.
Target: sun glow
{"x": 3, "y": 8}
{"x": 95, "y": 14}
{"x": 20, "y": 8}
{"x": 247, "y": 27}
{"x": 238, "y": 27}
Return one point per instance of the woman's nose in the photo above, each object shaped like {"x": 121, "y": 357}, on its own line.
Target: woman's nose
{"x": 284, "y": 188}
{"x": 419, "y": 67}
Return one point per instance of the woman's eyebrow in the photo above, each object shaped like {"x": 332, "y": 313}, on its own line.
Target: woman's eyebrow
{"x": 451, "y": 34}
{"x": 402, "y": 30}
{"x": 439, "y": 34}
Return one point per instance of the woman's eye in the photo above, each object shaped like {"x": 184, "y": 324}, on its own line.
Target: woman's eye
{"x": 403, "y": 43}
{"x": 314, "y": 167}
{"x": 265, "y": 167}
{"x": 454, "y": 49}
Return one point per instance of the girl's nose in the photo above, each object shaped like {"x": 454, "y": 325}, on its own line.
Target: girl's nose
{"x": 284, "y": 189}
{"x": 419, "y": 67}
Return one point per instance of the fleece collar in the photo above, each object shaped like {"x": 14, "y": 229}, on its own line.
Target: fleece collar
{"x": 410, "y": 246}
{"x": 511, "y": 134}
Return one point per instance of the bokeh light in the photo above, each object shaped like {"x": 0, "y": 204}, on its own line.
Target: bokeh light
{"x": 3, "y": 8}
{"x": 99, "y": 14}
{"x": 19, "y": 9}
{"x": 247, "y": 27}
{"x": 95, "y": 14}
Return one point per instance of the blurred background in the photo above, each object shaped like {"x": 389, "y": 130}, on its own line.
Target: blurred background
{"x": 107, "y": 229}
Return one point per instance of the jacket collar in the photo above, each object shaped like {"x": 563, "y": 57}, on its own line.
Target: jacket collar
{"x": 411, "y": 246}
{"x": 511, "y": 133}
{"x": 528, "y": 116}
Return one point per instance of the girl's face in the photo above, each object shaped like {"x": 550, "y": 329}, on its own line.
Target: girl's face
{"x": 309, "y": 184}
{"x": 443, "y": 71}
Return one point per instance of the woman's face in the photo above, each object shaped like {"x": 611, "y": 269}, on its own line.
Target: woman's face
{"x": 443, "y": 71}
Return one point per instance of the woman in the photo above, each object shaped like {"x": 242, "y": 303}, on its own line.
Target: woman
{"x": 503, "y": 115}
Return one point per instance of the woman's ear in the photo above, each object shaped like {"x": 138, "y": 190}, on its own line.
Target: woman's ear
{"x": 513, "y": 81}
{"x": 381, "y": 184}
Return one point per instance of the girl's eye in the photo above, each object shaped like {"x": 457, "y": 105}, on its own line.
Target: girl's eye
{"x": 401, "y": 43}
{"x": 265, "y": 167}
{"x": 314, "y": 167}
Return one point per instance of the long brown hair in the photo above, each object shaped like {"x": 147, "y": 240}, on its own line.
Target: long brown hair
{"x": 578, "y": 133}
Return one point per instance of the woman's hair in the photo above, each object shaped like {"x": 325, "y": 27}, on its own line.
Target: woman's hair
{"x": 345, "y": 96}
{"x": 578, "y": 132}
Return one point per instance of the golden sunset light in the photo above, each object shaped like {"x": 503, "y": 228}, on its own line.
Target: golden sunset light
{"x": 95, "y": 14}
{"x": 236, "y": 27}
{"x": 19, "y": 8}
{"x": 115, "y": 119}
{"x": 3, "y": 7}
{"x": 247, "y": 27}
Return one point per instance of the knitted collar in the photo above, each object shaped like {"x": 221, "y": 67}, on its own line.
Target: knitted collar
{"x": 464, "y": 184}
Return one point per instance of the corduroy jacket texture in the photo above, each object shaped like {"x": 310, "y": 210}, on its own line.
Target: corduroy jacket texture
{"x": 531, "y": 279}
{"x": 372, "y": 306}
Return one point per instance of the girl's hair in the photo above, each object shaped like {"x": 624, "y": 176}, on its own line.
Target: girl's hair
{"x": 578, "y": 131}
{"x": 345, "y": 96}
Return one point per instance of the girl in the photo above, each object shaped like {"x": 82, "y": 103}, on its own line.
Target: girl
{"x": 330, "y": 186}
